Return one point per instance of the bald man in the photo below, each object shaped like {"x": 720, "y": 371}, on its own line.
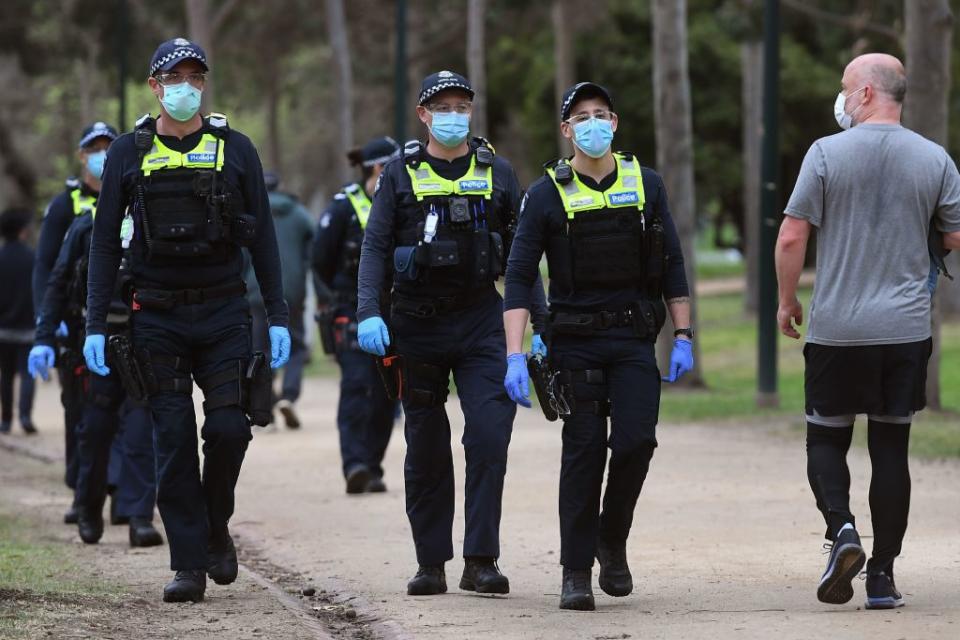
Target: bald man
{"x": 873, "y": 192}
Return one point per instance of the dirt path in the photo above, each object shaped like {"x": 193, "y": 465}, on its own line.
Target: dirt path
{"x": 726, "y": 541}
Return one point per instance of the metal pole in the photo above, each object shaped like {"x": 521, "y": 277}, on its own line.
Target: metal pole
{"x": 122, "y": 63}
{"x": 767, "y": 395}
{"x": 400, "y": 75}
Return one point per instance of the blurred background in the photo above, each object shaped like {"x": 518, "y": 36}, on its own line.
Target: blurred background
{"x": 306, "y": 80}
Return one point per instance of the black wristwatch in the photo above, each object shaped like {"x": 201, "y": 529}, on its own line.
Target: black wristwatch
{"x": 688, "y": 332}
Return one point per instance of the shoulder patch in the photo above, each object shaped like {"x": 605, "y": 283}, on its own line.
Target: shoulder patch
{"x": 340, "y": 196}
{"x": 523, "y": 202}
{"x": 376, "y": 189}
{"x": 325, "y": 220}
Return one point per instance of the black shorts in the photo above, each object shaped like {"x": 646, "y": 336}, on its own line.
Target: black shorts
{"x": 883, "y": 379}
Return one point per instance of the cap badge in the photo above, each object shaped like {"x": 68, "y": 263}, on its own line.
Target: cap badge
{"x": 182, "y": 42}
{"x": 445, "y": 74}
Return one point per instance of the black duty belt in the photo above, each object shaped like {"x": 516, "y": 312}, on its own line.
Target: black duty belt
{"x": 574, "y": 322}
{"x": 435, "y": 306}
{"x": 166, "y": 299}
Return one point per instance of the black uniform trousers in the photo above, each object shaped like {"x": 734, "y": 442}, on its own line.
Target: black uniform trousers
{"x": 212, "y": 337}
{"x": 365, "y": 414}
{"x": 114, "y": 432}
{"x": 470, "y": 343}
{"x": 72, "y": 399}
{"x": 631, "y": 381}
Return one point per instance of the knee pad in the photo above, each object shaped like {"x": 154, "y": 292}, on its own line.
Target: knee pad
{"x": 427, "y": 384}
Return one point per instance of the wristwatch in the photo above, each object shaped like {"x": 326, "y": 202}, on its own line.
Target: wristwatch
{"x": 688, "y": 332}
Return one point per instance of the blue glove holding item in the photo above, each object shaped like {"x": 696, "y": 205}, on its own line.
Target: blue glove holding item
{"x": 373, "y": 336}
{"x": 517, "y": 380}
{"x": 94, "y": 354}
{"x": 279, "y": 346}
{"x": 40, "y": 360}
{"x": 681, "y": 359}
{"x": 537, "y": 347}
{"x": 62, "y": 331}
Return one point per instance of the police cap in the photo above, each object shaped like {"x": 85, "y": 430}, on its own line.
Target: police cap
{"x": 379, "y": 151}
{"x": 441, "y": 81}
{"x": 97, "y": 130}
{"x": 582, "y": 91}
{"x": 172, "y": 52}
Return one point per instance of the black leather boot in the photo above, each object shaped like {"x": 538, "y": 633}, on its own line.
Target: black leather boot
{"x": 222, "y": 559}
{"x": 90, "y": 525}
{"x": 143, "y": 534}
{"x": 577, "y": 593}
{"x": 429, "y": 581}
{"x": 186, "y": 586}
{"x": 615, "y": 578}
{"x": 70, "y": 516}
{"x": 483, "y": 576}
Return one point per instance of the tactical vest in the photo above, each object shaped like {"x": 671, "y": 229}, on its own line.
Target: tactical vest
{"x": 190, "y": 215}
{"x": 467, "y": 247}
{"x": 609, "y": 242}
{"x": 82, "y": 203}
{"x": 350, "y": 252}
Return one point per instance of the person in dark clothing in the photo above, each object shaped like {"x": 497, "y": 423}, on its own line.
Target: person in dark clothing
{"x": 365, "y": 415}
{"x": 294, "y": 228}
{"x": 103, "y": 399}
{"x": 614, "y": 259}
{"x": 445, "y": 214}
{"x": 192, "y": 192}
{"x": 79, "y": 197}
{"x": 16, "y": 318}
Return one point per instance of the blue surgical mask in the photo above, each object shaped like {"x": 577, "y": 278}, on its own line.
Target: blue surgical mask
{"x": 181, "y": 101}
{"x": 95, "y": 163}
{"x": 593, "y": 137}
{"x": 450, "y": 129}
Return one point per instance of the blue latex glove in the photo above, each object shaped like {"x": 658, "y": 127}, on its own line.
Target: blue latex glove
{"x": 517, "y": 380}
{"x": 62, "y": 331}
{"x": 537, "y": 347}
{"x": 279, "y": 346}
{"x": 373, "y": 336}
{"x": 681, "y": 359}
{"x": 95, "y": 354}
{"x": 40, "y": 360}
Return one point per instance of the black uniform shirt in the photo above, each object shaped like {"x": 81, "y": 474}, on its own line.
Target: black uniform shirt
{"x": 75, "y": 244}
{"x": 56, "y": 220}
{"x": 395, "y": 207}
{"x": 241, "y": 169}
{"x": 337, "y": 224}
{"x": 542, "y": 215}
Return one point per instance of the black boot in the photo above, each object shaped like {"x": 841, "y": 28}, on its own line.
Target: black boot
{"x": 376, "y": 485}
{"x": 483, "y": 576}
{"x": 143, "y": 534}
{"x": 90, "y": 525}
{"x": 357, "y": 479}
{"x": 429, "y": 581}
{"x": 222, "y": 559}
{"x": 577, "y": 592}
{"x": 186, "y": 586}
{"x": 615, "y": 578}
{"x": 70, "y": 516}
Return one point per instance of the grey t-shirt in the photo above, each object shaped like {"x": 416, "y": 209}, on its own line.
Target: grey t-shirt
{"x": 872, "y": 192}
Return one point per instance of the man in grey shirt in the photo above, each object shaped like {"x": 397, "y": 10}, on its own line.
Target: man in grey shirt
{"x": 873, "y": 193}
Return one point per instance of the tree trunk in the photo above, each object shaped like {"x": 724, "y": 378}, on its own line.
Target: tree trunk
{"x": 200, "y": 30}
{"x": 674, "y": 140}
{"x": 751, "y": 63}
{"x": 274, "y": 157}
{"x": 563, "y": 61}
{"x": 476, "y": 65}
{"x": 929, "y": 35}
{"x": 337, "y": 32}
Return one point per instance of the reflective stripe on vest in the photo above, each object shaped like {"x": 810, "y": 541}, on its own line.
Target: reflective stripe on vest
{"x": 477, "y": 181}
{"x": 360, "y": 202}
{"x": 200, "y": 157}
{"x": 627, "y": 191}
{"x": 83, "y": 203}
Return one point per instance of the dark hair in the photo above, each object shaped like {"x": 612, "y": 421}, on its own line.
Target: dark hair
{"x": 13, "y": 221}
{"x": 355, "y": 158}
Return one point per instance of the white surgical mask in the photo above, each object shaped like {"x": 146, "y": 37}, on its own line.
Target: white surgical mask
{"x": 844, "y": 119}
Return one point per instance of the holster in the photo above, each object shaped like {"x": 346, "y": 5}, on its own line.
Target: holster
{"x": 325, "y": 328}
{"x": 390, "y": 368}
{"x": 121, "y": 356}
{"x": 72, "y": 369}
{"x": 548, "y": 393}
{"x": 258, "y": 382}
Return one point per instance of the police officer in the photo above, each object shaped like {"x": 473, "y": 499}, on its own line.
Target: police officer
{"x": 614, "y": 257}
{"x": 99, "y": 437}
{"x": 79, "y": 197}
{"x": 365, "y": 414}
{"x": 194, "y": 191}
{"x": 445, "y": 214}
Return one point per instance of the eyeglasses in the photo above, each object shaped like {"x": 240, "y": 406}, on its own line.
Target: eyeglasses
{"x": 167, "y": 78}
{"x": 442, "y": 107}
{"x": 580, "y": 118}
